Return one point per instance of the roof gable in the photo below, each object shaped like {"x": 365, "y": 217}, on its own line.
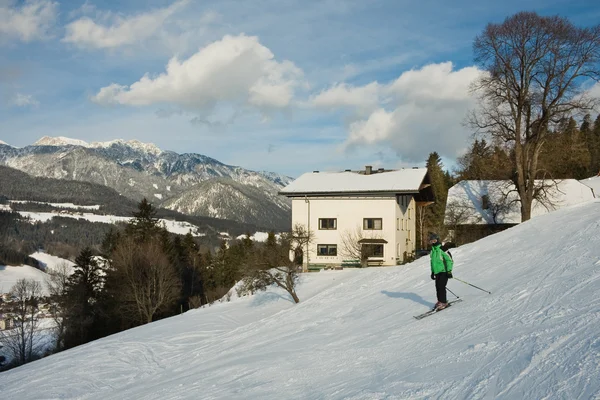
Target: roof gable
{"x": 406, "y": 180}
{"x": 465, "y": 203}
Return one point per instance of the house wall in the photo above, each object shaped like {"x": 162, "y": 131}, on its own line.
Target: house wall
{"x": 397, "y": 228}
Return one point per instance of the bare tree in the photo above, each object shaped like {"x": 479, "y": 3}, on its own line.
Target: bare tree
{"x": 352, "y": 246}
{"x": 23, "y": 341}
{"x": 150, "y": 281}
{"x": 273, "y": 264}
{"x": 534, "y": 70}
{"x": 57, "y": 283}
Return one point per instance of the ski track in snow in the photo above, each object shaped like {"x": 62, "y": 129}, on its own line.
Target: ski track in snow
{"x": 353, "y": 335}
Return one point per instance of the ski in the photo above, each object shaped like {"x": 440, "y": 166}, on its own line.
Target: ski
{"x": 431, "y": 312}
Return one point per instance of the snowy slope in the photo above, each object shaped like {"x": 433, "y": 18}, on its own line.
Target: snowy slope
{"x": 10, "y": 275}
{"x": 51, "y": 263}
{"x": 353, "y": 335}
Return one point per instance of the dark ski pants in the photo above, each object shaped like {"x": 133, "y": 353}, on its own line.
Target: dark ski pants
{"x": 441, "y": 280}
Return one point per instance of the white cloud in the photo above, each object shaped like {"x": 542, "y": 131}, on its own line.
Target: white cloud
{"x": 235, "y": 70}
{"x": 365, "y": 98}
{"x": 111, "y": 31}
{"x": 30, "y": 21}
{"x": 594, "y": 91}
{"x": 421, "y": 111}
{"x": 25, "y": 100}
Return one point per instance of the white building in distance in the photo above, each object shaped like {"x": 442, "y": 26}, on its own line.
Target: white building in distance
{"x": 594, "y": 184}
{"x": 365, "y": 217}
{"x": 497, "y": 202}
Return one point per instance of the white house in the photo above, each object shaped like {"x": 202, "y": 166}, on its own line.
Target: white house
{"x": 496, "y": 202}
{"x": 355, "y": 216}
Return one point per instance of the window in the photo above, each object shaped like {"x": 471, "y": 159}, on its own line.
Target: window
{"x": 372, "y": 250}
{"x": 408, "y": 211}
{"x": 328, "y": 223}
{"x": 326, "y": 250}
{"x": 397, "y": 224}
{"x": 485, "y": 202}
{"x": 372, "y": 224}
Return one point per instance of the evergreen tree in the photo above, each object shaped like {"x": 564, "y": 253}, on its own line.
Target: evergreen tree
{"x": 566, "y": 154}
{"x": 144, "y": 223}
{"x": 484, "y": 162}
{"x": 434, "y": 214}
{"x": 110, "y": 241}
{"x": 83, "y": 291}
{"x": 594, "y": 148}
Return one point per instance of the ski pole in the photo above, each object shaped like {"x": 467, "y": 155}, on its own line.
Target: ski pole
{"x": 453, "y": 293}
{"x": 472, "y": 285}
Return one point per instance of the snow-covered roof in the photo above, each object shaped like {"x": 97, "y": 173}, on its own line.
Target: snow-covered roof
{"x": 402, "y": 180}
{"x": 464, "y": 205}
{"x": 593, "y": 183}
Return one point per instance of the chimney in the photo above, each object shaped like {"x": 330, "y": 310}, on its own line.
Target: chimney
{"x": 368, "y": 170}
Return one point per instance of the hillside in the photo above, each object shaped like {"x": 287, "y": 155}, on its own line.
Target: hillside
{"x": 353, "y": 335}
{"x": 17, "y": 185}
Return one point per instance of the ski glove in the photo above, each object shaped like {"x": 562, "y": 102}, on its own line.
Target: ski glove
{"x": 432, "y": 276}
{"x": 449, "y": 275}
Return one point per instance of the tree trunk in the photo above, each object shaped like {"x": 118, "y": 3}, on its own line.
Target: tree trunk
{"x": 294, "y": 296}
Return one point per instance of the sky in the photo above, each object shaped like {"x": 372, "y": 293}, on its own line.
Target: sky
{"x": 353, "y": 335}
{"x": 287, "y": 86}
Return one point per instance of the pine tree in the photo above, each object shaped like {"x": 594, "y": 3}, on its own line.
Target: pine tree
{"x": 81, "y": 299}
{"x": 594, "y": 148}
{"x": 144, "y": 223}
{"x": 434, "y": 214}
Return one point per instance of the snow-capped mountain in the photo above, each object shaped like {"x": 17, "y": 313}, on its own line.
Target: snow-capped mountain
{"x": 64, "y": 141}
{"x": 166, "y": 178}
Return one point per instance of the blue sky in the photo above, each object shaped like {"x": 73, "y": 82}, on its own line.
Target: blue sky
{"x": 281, "y": 85}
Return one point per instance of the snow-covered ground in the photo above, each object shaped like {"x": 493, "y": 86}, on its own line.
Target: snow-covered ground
{"x": 58, "y": 205}
{"x": 257, "y": 237}
{"x": 10, "y": 275}
{"x": 180, "y": 227}
{"x": 353, "y": 335}
{"x": 51, "y": 262}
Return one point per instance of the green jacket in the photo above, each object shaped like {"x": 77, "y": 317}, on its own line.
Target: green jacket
{"x": 440, "y": 260}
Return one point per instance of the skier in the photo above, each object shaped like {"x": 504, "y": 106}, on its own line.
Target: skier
{"x": 441, "y": 270}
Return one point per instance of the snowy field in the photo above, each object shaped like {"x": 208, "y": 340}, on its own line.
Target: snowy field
{"x": 10, "y": 275}
{"x": 180, "y": 227}
{"x": 353, "y": 335}
{"x": 50, "y": 262}
{"x": 58, "y": 205}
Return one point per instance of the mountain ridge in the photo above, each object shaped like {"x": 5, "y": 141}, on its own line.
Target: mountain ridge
{"x": 137, "y": 170}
